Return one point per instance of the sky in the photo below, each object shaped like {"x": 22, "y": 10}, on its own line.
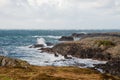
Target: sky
{"x": 59, "y": 14}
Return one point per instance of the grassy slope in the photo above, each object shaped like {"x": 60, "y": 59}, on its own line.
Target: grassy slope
{"x": 52, "y": 73}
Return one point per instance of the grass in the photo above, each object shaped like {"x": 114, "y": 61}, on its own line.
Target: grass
{"x": 105, "y": 43}
{"x": 52, "y": 73}
{"x": 4, "y": 77}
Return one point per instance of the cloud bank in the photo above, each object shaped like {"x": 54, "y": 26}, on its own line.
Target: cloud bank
{"x": 59, "y": 14}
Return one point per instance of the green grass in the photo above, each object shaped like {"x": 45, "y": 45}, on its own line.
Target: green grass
{"x": 105, "y": 43}
{"x": 4, "y": 77}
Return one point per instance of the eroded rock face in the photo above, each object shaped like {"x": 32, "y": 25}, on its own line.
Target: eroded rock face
{"x": 101, "y": 48}
{"x": 9, "y": 62}
{"x": 66, "y": 38}
{"x": 111, "y": 67}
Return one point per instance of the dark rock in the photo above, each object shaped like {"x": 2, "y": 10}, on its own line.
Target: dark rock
{"x": 9, "y": 62}
{"x": 111, "y": 67}
{"x": 95, "y": 34}
{"x": 56, "y": 55}
{"x": 48, "y": 50}
{"x": 36, "y": 46}
{"x": 66, "y": 38}
{"x": 49, "y": 44}
{"x": 78, "y": 34}
{"x": 67, "y": 57}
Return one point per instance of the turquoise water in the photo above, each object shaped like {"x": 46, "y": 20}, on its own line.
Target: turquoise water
{"x": 15, "y": 43}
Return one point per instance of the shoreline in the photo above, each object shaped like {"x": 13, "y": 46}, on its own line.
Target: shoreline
{"x": 96, "y": 48}
{"x": 31, "y": 72}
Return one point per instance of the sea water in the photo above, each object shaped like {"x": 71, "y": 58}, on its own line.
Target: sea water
{"x": 16, "y": 43}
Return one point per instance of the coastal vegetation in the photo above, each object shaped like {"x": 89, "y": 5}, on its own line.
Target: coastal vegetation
{"x": 105, "y": 43}
{"x": 52, "y": 73}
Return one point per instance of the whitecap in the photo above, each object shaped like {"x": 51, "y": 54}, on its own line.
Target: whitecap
{"x": 48, "y": 36}
{"x": 41, "y": 41}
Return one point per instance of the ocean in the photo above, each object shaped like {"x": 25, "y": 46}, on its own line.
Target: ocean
{"x": 16, "y": 43}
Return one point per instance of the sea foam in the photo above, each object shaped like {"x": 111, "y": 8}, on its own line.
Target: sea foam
{"x": 35, "y": 57}
{"x": 48, "y": 36}
{"x": 41, "y": 41}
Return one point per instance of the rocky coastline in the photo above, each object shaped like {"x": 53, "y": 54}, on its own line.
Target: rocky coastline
{"x": 14, "y": 69}
{"x": 102, "y": 46}
{"x": 98, "y": 46}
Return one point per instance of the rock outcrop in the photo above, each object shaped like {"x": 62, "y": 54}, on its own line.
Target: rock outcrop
{"x": 10, "y": 62}
{"x": 111, "y": 67}
{"x": 101, "y": 48}
{"x": 36, "y": 46}
{"x": 66, "y": 38}
{"x": 41, "y": 45}
{"x": 113, "y": 34}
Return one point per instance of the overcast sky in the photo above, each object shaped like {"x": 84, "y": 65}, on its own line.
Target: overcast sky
{"x": 59, "y": 14}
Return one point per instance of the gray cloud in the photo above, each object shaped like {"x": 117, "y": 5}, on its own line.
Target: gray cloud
{"x": 59, "y": 14}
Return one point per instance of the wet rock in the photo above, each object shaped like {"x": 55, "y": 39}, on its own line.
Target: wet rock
{"x": 36, "y": 46}
{"x": 56, "y": 55}
{"x": 49, "y": 44}
{"x": 9, "y": 62}
{"x": 67, "y": 57}
{"x": 111, "y": 67}
{"x": 66, "y": 38}
{"x": 48, "y": 50}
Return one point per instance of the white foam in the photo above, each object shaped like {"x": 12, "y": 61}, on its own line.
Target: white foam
{"x": 41, "y": 41}
{"x": 55, "y": 37}
{"x": 34, "y": 57}
{"x": 48, "y": 36}
{"x": 84, "y": 32}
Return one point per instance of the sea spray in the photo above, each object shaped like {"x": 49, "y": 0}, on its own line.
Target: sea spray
{"x": 41, "y": 41}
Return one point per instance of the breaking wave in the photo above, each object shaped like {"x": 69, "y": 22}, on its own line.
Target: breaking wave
{"x": 41, "y": 41}
{"x": 48, "y": 36}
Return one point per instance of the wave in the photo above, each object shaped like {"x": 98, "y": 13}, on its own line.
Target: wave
{"x": 3, "y": 52}
{"x": 35, "y": 57}
{"x": 84, "y": 32}
{"x": 41, "y": 41}
{"x": 48, "y": 36}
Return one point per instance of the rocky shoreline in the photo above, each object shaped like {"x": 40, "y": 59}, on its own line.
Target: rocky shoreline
{"x": 14, "y": 69}
{"x": 13, "y": 63}
{"x": 98, "y": 46}
{"x": 102, "y": 46}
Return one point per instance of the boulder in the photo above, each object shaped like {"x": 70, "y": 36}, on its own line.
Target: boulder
{"x": 36, "y": 46}
{"x": 9, "y": 62}
{"x": 48, "y": 50}
{"x": 66, "y": 38}
{"x": 111, "y": 67}
{"x": 49, "y": 43}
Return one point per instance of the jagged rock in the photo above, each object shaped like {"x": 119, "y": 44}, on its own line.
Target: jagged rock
{"x": 9, "y": 62}
{"x": 48, "y": 50}
{"x": 36, "y": 46}
{"x": 101, "y": 48}
{"x": 66, "y": 38}
{"x": 111, "y": 67}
